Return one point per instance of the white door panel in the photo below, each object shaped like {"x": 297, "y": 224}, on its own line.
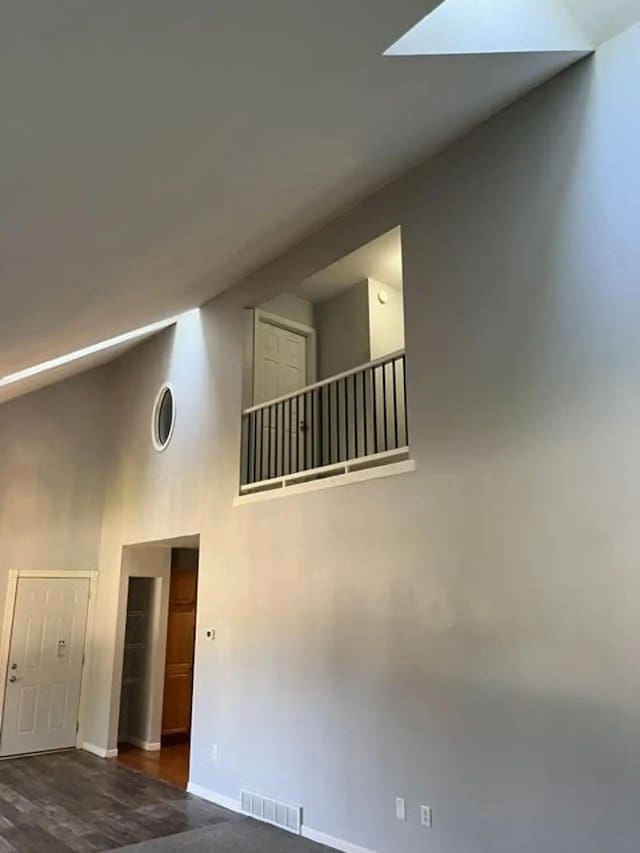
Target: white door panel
{"x": 45, "y": 665}
{"x": 281, "y": 362}
{"x": 280, "y": 369}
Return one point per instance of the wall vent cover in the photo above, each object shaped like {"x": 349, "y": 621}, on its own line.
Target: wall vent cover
{"x": 285, "y": 815}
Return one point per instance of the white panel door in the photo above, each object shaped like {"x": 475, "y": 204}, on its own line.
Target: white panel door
{"x": 281, "y": 368}
{"x": 42, "y": 692}
{"x": 281, "y": 362}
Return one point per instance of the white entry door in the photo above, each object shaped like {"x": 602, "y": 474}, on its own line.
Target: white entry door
{"x": 280, "y": 369}
{"x": 281, "y": 362}
{"x": 42, "y": 692}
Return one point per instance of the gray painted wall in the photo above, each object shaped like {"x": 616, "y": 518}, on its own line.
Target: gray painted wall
{"x": 465, "y": 636}
{"x": 386, "y": 320}
{"x": 354, "y": 327}
{"x": 291, "y": 307}
{"x": 53, "y": 451}
{"x": 342, "y": 323}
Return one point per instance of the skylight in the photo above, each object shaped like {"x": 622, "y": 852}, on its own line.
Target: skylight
{"x": 493, "y": 26}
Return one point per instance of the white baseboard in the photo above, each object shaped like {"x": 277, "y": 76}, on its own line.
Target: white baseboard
{"x": 332, "y": 841}
{"x": 214, "y": 797}
{"x": 99, "y": 751}
{"x": 307, "y": 831}
{"x": 148, "y": 746}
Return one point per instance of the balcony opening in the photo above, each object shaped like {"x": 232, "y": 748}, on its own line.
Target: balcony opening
{"x": 325, "y": 384}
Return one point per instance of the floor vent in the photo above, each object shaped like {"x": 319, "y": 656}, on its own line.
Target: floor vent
{"x": 284, "y": 815}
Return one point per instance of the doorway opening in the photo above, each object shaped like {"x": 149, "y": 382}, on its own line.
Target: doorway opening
{"x": 154, "y": 725}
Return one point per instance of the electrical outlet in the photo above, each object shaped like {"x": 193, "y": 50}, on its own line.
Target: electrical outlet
{"x": 214, "y": 752}
{"x": 401, "y": 811}
{"x": 426, "y": 818}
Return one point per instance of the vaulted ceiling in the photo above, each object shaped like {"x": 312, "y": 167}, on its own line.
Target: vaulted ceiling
{"x": 153, "y": 153}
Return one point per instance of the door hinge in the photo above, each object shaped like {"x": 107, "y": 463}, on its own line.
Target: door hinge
{"x": 77, "y": 726}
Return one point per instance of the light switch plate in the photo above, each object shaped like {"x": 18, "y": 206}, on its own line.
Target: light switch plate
{"x": 401, "y": 810}
{"x": 426, "y": 818}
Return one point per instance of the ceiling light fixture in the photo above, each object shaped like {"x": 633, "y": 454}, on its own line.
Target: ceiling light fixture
{"x": 61, "y": 360}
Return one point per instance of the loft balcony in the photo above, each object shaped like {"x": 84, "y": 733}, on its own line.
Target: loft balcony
{"x": 345, "y": 423}
{"x": 324, "y": 378}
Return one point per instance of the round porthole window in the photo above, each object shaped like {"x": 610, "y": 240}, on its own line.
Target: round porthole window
{"x": 164, "y": 418}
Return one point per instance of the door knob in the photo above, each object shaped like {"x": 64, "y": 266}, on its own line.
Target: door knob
{"x": 13, "y": 678}
{"x": 14, "y": 666}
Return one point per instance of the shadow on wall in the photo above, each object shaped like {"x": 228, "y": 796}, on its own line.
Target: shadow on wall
{"x": 137, "y": 663}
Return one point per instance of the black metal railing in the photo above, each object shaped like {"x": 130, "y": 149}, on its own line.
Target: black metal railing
{"x": 356, "y": 415}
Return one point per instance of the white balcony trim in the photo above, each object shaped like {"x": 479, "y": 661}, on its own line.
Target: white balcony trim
{"x": 325, "y": 470}
{"x": 330, "y": 476}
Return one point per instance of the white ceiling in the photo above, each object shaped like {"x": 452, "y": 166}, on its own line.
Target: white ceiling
{"x": 153, "y": 153}
{"x": 380, "y": 259}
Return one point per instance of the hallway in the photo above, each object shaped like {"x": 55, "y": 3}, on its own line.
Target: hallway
{"x": 170, "y": 764}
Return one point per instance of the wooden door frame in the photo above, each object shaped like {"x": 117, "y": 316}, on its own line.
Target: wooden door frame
{"x": 308, "y": 332}
{"x": 16, "y": 575}
{"x": 196, "y": 572}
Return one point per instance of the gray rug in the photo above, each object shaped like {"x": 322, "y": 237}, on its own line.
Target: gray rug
{"x": 235, "y": 836}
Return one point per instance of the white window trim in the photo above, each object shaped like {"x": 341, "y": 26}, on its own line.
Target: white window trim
{"x": 166, "y": 386}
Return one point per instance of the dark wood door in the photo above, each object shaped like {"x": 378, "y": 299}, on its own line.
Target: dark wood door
{"x": 178, "y": 681}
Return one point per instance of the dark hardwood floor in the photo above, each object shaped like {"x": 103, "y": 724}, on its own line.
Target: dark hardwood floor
{"x": 73, "y": 801}
{"x": 171, "y": 763}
